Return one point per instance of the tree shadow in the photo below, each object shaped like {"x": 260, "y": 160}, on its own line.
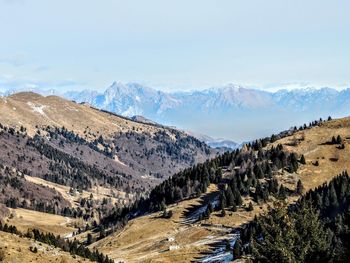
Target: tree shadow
{"x": 204, "y": 199}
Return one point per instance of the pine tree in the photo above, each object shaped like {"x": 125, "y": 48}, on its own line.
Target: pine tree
{"x": 333, "y": 199}
{"x": 228, "y": 245}
{"x": 234, "y": 207}
{"x": 258, "y": 172}
{"x": 229, "y": 196}
{"x": 302, "y": 159}
{"x": 223, "y": 203}
{"x": 282, "y": 193}
{"x": 237, "y": 249}
{"x": 210, "y": 208}
{"x": 223, "y": 212}
{"x": 273, "y": 186}
{"x": 299, "y": 188}
{"x": 339, "y": 140}
{"x": 258, "y": 192}
{"x": 89, "y": 239}
{"x": 292, "y": 237}
{"x": 334, "y": 141}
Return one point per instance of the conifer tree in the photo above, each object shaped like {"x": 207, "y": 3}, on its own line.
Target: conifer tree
{"x": 234, "y": 207}
{"x": 223, "y": 212}
{"x": 237, "y": 248}
{"x": 292, "y": 237}
{"x": 223, "y": 203}
{"x": 229, "y": 196}
{"x": 299, "y": 188}
{"x": 282, "y": 193}
{"x": 334, "y": 141}
{"x": 339, "y": 140}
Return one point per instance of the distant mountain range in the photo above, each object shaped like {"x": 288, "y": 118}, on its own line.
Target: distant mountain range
{"x": 231, "y": 111}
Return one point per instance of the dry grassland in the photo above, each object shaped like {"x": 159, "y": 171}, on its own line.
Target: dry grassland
{"x": 145, "y": 238}
{"x": 16, "y": 250}
{"x": 25, "y": 219}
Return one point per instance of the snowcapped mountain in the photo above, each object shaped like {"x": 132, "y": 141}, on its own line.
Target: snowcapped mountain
{"x": 44, "y": 92}
{"x": 127, "y": 99}
{"x": 306, "y": 99}
{"x": 232, "y": 111}
{"x": 234, "y": 96}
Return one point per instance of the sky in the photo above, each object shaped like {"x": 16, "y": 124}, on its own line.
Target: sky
{"x": 174, "y": 45}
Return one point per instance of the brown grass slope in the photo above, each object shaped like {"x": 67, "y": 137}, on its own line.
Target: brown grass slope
{"x": 146, "y": 152}
{"x": 315, "y": 147}
{"x": 143, "y": 155}
{"x": 14, "y": 249}
{"x": 145, "y": 239}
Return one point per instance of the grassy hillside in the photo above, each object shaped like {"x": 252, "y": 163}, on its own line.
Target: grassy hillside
{"x": 145, "y": 239}
{"x": 316, "y": 146}
{"x": 79, "y": 168}
{"x": 143, "y": 153}
{"x": 15, "y": 249}
{"x": 64, "y": 166}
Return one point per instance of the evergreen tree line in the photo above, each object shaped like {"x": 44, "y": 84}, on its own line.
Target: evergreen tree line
{"x": 254, "y": 163}
{"x": 260, "y": 143}
{"x": 71, "y": 136}
{"x": 75, "y": 172}
{"x": 73, "y": 247}
{"x": 248, "y": 167}
{"x": 248, "y": 182}
{"x": 64, "y": 168}
{"x": 315, "y": 229}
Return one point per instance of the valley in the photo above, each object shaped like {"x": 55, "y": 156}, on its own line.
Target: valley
{"x": 174, "y": 131}
{"x": 145, "y": 239}
{"x": 65, "y": 166}
{"x": 108, "y": 185}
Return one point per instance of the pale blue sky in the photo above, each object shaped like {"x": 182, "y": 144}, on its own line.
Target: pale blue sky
{"x": 180, "y": 44}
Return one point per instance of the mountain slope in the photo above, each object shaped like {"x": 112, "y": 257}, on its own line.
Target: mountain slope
{"x": 185, "y": 237}
{"x": 18, "y": 249}
{"x": 139, "y": 155}
{"x": 233, "y": 112}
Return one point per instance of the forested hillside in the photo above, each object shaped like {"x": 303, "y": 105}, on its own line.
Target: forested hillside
{"x": 251, "y": 171}
{"x": 99, "y": 182}
{"x": 143, "y": 154}
{"x": 315, "y": 229}
{"x": 206, "y": 206}
{"x": 81, "y": 164}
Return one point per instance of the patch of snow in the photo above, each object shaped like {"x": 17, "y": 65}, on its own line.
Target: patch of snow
{"x": 72, "y": 109}
{"x": 193, "y": 217}
{"x": 69, "y": 235}
{"x": 37, "y": 108}
{"x": 131, "y": 111}
{"x": 220, "y": 254}
{"x": 116, "y": 158}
